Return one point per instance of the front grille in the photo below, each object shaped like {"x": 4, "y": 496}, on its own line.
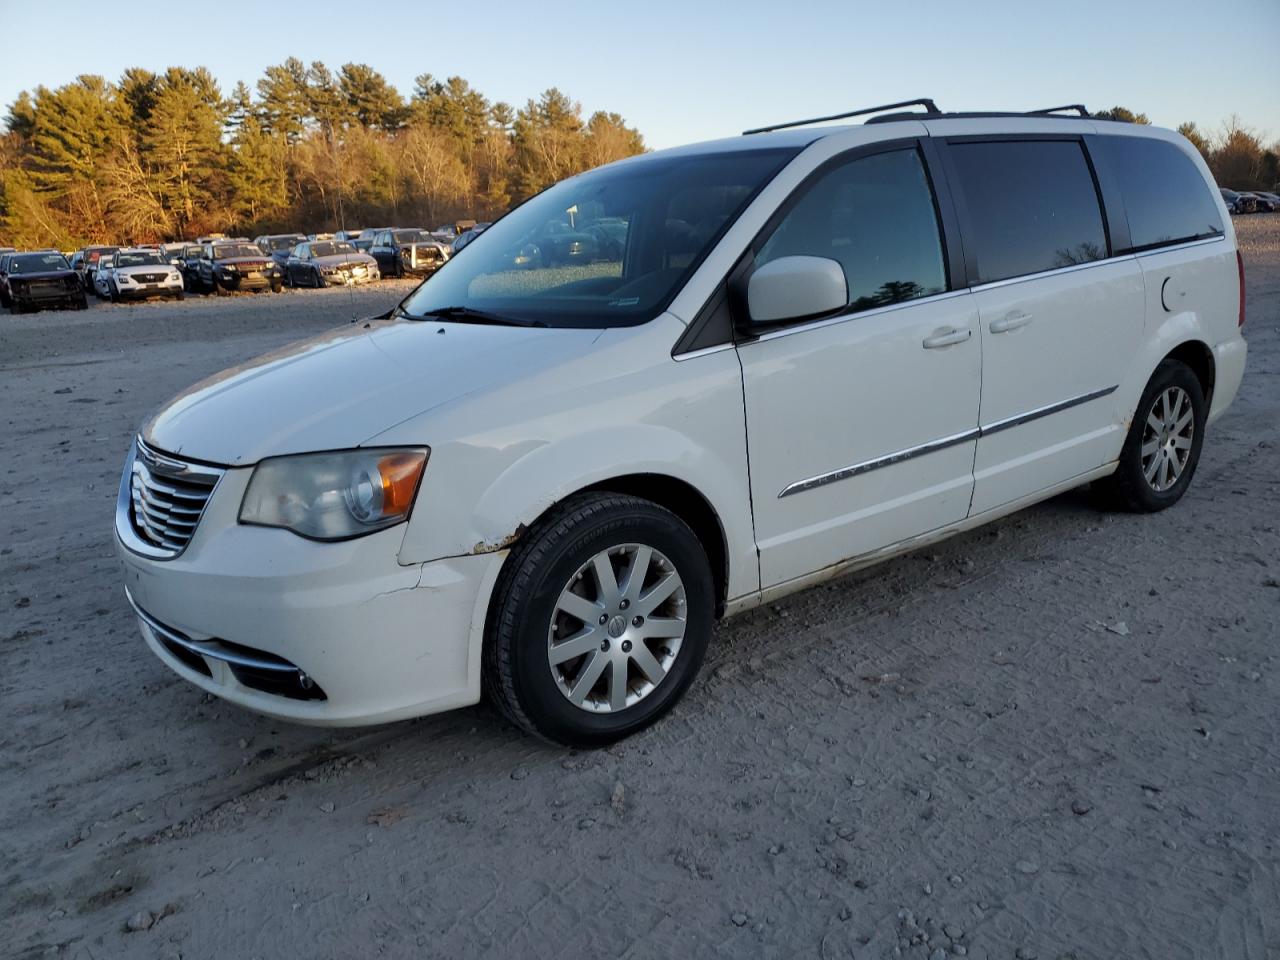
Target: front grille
{"x": 167, "y": 497}
{"x": 148, "y": 277}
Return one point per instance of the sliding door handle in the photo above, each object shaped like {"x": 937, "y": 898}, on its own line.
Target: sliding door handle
{"x": 1010, "y": 321}
{"x": 946, "y": 336}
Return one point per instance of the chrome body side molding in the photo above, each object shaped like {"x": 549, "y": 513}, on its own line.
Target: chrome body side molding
{"x": 853, "y": 470}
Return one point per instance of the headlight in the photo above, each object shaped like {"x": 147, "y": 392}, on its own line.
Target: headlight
{"x": 228, "y": 268}
{"x": 334, "y": 496}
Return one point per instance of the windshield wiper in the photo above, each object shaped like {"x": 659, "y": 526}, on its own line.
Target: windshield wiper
{"x": 471, "y": 315}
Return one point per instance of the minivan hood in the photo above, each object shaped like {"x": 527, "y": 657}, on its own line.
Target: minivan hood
{"x": 338, "y": 389}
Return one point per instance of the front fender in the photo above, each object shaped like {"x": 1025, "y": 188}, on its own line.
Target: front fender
{"x": 501, "y": 457}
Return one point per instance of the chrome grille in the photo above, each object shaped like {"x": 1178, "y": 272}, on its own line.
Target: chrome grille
{"x": 166, "y": 499}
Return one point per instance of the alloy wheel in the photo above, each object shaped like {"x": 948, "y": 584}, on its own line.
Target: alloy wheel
{"x": 1167, "y": 439}
{"x": 617, "y": 628}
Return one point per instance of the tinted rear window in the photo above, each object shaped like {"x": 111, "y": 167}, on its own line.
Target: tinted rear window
{"x": 1033, "y": 206}
{"x": 1165, "y": 197}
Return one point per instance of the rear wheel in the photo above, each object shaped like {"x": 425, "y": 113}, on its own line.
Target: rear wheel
{"x": 600, "y": 622}
{"x": 1163, "y": 445}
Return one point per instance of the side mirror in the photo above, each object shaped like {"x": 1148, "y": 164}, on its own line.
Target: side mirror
{"x": 795, "y": 288}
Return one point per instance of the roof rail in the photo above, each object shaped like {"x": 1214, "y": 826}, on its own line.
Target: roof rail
{"x": 1077, "y": 107}
{"x": 929, "y": 105}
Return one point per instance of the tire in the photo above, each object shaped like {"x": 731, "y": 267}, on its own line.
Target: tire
{"x": 317, "y": 281}
{"x": 557, "y": 557}
{"x": 83, "y": 302}
{"x": 1129, "y": 487}
{"x": 113, "y": 295}
{"x": 277, "y": 286}
{"x": 219, "y": 289}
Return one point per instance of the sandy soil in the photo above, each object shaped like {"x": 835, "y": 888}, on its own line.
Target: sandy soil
{"x": 1055, "y": 737}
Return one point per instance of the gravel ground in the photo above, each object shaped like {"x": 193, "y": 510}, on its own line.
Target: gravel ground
{"x": 1055, "y": 737}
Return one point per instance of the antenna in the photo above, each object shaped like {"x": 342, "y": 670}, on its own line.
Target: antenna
{"x": 928, "y": 104}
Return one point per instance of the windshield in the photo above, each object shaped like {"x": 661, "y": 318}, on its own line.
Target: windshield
{"x": 37, "y": 262}
{"x": 136, "y": 260}
{"x": 413, "y": 236}
{"x": 283, "y": 243}
{"x": 223, "y": 251}
{"x": 609, "y": 248}
{"x": 331, "y": 248}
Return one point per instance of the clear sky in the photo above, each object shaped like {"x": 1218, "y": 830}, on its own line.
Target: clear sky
{"x": 690, "y": 70}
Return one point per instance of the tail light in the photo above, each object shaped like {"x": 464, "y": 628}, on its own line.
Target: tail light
{"x": 1240, "y": 272}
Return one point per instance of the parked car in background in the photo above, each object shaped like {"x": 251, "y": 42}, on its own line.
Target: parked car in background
{"x": 278, "y": 246}
{"x": 140, "y": 274}
{"x": 466, "y": 236}
{"x": 4, "y": 264}
{"x": 32, "y": 281}
{"x": 85, "y": 263}
{"x": 408, "y": 252}
{"x": 1264, "y": 202}
{"x": 365, "y": 239}
{"x": 320, "y": 236}
{"x": 321, "y": 263}
{"x": 187, "y": 263}
{"x": 101, "y": 284}
{"x": 349, "y": 235}
{"x": 558, "y": 243}
{"x": 609, "y": 235}
{"x": 227, "y": 266}
{"x": 1238, "y": 202}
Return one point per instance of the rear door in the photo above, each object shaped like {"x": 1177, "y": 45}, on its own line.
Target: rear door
{"x": 861, "y": 427}
{"x": 1061, "y": 314}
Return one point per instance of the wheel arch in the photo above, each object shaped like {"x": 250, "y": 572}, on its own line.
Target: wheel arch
{"x": 691, "y": 506}
{"x": 1197, "y": 355}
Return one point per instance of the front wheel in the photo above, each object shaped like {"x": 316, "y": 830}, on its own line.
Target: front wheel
{"x": 1163, "y": 445}
{"x": 600, "y": 621}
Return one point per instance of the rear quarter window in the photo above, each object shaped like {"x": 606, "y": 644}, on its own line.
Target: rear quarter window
{"x": 1165, "y": 197}
{"x": 1032, "y": 206}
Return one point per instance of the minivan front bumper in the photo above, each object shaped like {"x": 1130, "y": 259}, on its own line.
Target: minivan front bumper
{"x": 335, "y": 634}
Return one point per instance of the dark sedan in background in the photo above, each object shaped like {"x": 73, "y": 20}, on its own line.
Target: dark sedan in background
{"x": 319, "y": 263}
{"x": 30, "y": 281}
{"x": 407, "y": 252}
{"x": 278, "y": 246}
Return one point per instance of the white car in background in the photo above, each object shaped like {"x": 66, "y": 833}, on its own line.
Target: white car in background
{"x": 780, "y": 357}
{"x": 101, "y": 276}
{"x": 138, "y": 274}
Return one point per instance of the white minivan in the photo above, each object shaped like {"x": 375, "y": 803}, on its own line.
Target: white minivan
{"x": 677, "y": 387}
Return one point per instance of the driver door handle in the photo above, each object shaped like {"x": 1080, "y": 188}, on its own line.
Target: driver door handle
{"x": 1010, "y": 321}
{"x": 946, "y": 336}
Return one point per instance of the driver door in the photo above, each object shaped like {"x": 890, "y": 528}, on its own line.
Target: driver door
{"x": 862, "y": 426}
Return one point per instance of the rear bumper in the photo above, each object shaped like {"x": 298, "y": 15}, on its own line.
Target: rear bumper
{"x": 1228, "y": 362}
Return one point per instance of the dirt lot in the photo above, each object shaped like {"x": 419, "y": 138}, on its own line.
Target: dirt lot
{"x": 1055, "y": 737}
